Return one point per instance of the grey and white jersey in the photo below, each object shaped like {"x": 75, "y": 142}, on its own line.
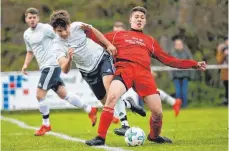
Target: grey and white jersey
{"x": 39, "y": 41}
{"x": 87, "y": 53}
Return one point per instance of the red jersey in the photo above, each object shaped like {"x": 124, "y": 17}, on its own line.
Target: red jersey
{"x": 137, "y": 47}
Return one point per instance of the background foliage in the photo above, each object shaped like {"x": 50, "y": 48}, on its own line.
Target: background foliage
{"x": 201, "y": 23}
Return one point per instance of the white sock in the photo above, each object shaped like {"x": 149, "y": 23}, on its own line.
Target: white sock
{"x": 126, "y": 104}
{"x": 44, "y": 109}
{"x": 124, "y": 123}
{"x": 120, "y": 112}
{"x": 75, "y": 100}
{"x": 167, "y": 98}
{"x": 46, "y": 122}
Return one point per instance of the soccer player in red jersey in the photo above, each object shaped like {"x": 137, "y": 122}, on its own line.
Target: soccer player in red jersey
{"x": 134, "y": 51}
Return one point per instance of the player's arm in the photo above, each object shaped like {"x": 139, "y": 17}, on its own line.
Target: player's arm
{"x": 28, "y": 59}
{"x": 110, "y": 48}
{"x": 29, "y": 55}
{"x": 65, "y": 62}
{"x": 171, "y": 61}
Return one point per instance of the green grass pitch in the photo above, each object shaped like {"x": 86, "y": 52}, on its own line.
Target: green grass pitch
{"x": 199, "y": 129}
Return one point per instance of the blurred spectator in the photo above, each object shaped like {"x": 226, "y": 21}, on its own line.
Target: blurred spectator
{"x": 181, "y": 78}
{"x": 222, "y": 58}
{"x": 119, "y": 26}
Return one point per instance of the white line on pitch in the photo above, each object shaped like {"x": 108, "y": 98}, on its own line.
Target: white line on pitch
{"x": 62, "y": 136}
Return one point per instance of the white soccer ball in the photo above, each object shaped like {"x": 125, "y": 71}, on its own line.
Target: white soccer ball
{"x": 135, "y": 136}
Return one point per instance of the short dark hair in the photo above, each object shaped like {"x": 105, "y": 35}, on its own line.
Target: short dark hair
{"x": 60, "y": 18}
{"x": 31, "y": 10}
{"x": 138, "y": 8}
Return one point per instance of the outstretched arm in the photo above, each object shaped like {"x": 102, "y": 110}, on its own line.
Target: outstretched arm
{"x": 171, "y": 61}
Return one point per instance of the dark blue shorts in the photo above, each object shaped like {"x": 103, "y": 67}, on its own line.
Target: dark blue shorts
{"x": 95, "y": 78}
{"x": 50, "y": 78}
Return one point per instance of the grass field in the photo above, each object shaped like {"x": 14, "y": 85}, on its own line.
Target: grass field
{"x": 203, "y": 129}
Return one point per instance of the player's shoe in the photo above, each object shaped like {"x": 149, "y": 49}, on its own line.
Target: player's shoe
{"x": 121, "y": 131}
{"x": 92, "y": 116}
{"x": 115, "y": 120}
{"x": 177, "y": 106}
{"x": 43, "y": 129}
{"x": 96, "y": 141}
{"x": 135, "y": 108}
{"x": 159, "y": 139}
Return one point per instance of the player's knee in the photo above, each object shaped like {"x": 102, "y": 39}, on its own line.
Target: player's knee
{"x": 39, "y": 97}
{"x": 112, "y": 99}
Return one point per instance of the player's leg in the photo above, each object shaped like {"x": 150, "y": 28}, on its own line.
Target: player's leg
{"x": 107, "y": 71}
{"x": 146, "y": 87}
{"x": 75, "y": 101}
{"x": 120, "y": 109}
{"x": 120, "y": 112}
{"x": 43, "y": 87}
{"x": 116, "y": 90}
{"x": 154, "y": 104}
{"x": 175, "y": 103}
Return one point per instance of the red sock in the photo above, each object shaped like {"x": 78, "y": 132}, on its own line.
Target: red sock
{"x": 105, "y": 121}
{"x": 155, "y": 122}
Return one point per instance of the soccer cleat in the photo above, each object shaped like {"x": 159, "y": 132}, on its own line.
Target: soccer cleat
{"x": 135, "y": 108}
{"x": 96, "y": 141}
{"x": 159, "y": 140}
{"x": 43, "y": 129}
{"x": 115, "y": 120}
{"x": 121, "y": 131}
{"x": 92, "y": 116}
{"x": 176, "y": 106}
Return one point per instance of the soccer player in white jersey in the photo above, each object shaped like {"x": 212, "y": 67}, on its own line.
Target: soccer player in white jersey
{"x": 38, "y": 39}
{"x": 94, "y": 63}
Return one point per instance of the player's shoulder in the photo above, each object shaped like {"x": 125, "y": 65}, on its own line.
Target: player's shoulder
{"x": 26, "y": 32}
{"x": 148, "y": 36}
{"x": 76, "y": 24}
{"x": 45, "y": 26}
{"x": 115, "y": 32}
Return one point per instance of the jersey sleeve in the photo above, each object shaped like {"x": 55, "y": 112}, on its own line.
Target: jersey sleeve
{"x": 28, "y": 47}
{"x": 109, "y": 36}
{"x": 159, "y": 54}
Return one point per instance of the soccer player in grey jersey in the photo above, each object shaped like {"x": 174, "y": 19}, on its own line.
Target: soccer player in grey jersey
{"x": 94, "y": 63}
{"x": 38, "y": 39}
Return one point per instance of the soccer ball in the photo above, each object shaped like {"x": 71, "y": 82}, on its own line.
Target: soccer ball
{"x": 134, "y": 136}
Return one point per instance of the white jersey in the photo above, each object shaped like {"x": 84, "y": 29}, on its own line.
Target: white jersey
{"x": 39, "y": 41}
{"x": 87, "y": 53}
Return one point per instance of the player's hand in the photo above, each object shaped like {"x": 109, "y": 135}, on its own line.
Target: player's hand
{"x": 85, "y": 26}
{"x": 70, "y": 54}
{"x": 24, "y": 69}
{"x": 111, "y": 49}
{"x": 201, "y": 65}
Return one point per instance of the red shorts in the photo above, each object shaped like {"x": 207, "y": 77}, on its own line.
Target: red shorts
{"x": 134, "y": 75}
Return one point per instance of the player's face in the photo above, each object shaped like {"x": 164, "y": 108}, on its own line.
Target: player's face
{"x": 63, "y": 32}
{"x": 178, "y": 44}
{"x": 137, "y": 20}
{"x": 32, "y": 20}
